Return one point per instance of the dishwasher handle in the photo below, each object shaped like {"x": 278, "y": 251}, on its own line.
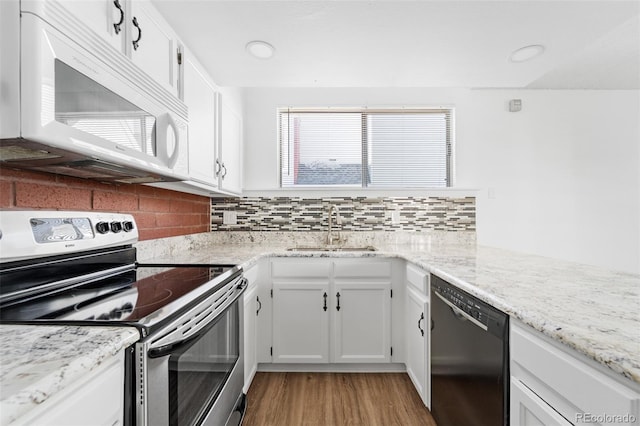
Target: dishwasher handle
{"x": 459, "y": 313}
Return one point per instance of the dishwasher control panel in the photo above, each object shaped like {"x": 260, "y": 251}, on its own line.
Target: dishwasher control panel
{"x": 464, "y": 304}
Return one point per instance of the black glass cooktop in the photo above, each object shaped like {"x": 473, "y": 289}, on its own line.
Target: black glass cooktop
{"x": 132, "y": 296}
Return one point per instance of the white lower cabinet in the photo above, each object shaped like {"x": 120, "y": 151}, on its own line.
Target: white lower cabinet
{"x": 417, "y": 331}
{"x": 251, "y": 310}
{"x": 97, "y": 399}
{"x": 527, "y": 409}
{"x": 417, "y": 317}
{"x": 554, "y": 385}
{"x": 300, "y": 322}
{"x": 331, "y": 311}
{"x": 362, "y": 325}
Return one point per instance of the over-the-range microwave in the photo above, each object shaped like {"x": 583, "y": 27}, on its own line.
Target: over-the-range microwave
{"x": 74, "y": 105}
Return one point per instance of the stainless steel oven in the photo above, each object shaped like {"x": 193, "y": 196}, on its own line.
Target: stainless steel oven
{"x": 80, "y": 267}
{"x": 191, "y": 371}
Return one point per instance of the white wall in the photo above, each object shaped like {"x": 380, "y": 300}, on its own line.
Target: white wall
{"x": 563, "y": 173}
{"x": 560, "y": 177}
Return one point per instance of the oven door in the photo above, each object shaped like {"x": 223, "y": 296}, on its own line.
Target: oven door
{"x": 198, "y": 379}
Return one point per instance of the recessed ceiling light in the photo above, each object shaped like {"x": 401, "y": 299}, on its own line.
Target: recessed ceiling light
{"x": 260, "y": 49}
{"x": 526, "y": 53}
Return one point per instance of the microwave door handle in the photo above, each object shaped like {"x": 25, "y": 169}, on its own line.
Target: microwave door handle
{"x": 164, "y": 123}
{"x": 176, "y": 151}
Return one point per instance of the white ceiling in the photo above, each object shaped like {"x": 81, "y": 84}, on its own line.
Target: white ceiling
{"x": 427, "y": 43}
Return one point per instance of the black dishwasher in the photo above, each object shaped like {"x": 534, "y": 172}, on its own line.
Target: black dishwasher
{"x": 469, "y": 359}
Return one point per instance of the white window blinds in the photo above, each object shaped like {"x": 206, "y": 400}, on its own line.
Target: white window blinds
{"x": 365, "y": 148}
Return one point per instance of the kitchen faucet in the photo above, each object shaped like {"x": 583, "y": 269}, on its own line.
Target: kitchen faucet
{"x": 330, "y": 237}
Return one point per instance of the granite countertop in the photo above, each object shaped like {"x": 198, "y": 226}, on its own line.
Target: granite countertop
{"x": 38, "y": 361}
{"x": 592, "y": 310}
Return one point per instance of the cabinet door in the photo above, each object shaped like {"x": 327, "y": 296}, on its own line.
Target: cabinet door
{"x": 156, "y": 52}
{"x": 100, "y": 16}
{"x": 527, "y": 409}
{"x": 300, "y": 322}
{"x": 417, "y": 334}
{"x": 250, "y": 361}
{"x": 362, "y": 326}
{"x": 230, "y": 149}
{"x": 200, "y": 97}
{"x": 97, "y": 400}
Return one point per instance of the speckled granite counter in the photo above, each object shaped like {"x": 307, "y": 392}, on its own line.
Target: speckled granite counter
{"x": 36, "y": 362}
{"x": 592, "y": 310}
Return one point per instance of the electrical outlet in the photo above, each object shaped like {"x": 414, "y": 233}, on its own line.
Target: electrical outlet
{"x": 230, "y": 218}
{"x": 395, "y": 217}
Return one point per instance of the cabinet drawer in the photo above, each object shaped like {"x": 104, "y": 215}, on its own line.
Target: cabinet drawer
{"x": 565, "y": 381}
{"x": 362, "y": 269}
{"x": 527, "y": 409}
{"x": 418, "y": 278}
{"x": 299, "y": 268}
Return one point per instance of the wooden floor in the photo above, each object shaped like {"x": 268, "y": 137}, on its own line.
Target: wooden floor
{"x": 335, "y": 399}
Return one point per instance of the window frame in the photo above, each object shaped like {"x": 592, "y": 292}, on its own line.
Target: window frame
{"x": 449, "y": 112}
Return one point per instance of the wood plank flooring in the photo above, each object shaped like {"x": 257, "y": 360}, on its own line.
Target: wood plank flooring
{"x": 334, "y": 399}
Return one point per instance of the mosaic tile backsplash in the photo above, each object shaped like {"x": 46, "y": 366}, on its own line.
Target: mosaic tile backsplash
{"x": 357, "y": 213}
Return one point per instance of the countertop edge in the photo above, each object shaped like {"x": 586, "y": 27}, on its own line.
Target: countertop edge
{"x": 49, "y": 385}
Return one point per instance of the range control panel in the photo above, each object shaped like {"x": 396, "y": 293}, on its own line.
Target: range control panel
{"x": 37, "y": 233}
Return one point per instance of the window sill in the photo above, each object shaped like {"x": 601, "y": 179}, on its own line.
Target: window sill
{"x": 362, "y": 192}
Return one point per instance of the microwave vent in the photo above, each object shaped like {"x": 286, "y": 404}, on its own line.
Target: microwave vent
{"x": 20, "y": 153}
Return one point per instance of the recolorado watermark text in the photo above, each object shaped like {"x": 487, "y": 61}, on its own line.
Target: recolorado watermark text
{"x": 605, "y": 418}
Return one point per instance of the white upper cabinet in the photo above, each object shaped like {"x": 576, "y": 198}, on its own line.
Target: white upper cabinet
{"x": 230, "y": 154}
{"x": 136, "y": 29}
{"x": 153, "y": 45}
{"x": 201, "y": 98}
{"x": 106, "y": 17}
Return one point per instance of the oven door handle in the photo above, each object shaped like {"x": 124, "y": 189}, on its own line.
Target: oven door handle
{"x": 171, "y": 347}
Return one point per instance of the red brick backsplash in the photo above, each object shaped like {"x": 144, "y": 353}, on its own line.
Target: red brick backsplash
{"x": 158, "y": 212}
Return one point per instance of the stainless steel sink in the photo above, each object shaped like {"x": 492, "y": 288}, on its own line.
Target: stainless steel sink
{"x": 332, "y": 248}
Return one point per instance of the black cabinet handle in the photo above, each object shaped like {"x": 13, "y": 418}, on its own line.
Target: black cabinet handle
{"x": 136, "y": 41}
{"x": 259, "y": 305}
{"x": 324, "y": 296}
{"x": 117, "y": 26}
{"x": 419, "y": 321}
{"x": 338, "y": 297}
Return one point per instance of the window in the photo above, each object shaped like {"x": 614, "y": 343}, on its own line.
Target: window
{"x": 365, "y": 148}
